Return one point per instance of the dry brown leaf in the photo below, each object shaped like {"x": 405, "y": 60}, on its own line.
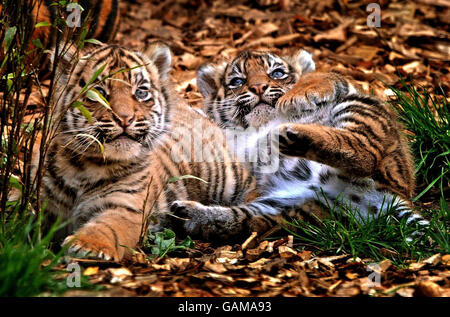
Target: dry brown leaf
{"x": 429, "y": 289}
{"x": 406, "y": 291}
{"x": 433, "y": 260}
{"x": 385, "y": 265}
{"x": 446, "y": 259}
{"x": 286, "y": 252}
{"x": 92, "y": 270}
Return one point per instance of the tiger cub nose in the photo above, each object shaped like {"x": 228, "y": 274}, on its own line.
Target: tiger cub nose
{"x": 125, "y": 120}
{"x": 258, "y": 89}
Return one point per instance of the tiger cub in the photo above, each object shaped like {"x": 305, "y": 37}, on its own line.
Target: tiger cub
{"x": 107, "y": 173}
{"x": 337, "y": 145}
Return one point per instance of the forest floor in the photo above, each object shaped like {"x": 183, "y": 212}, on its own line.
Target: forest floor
{"x": 412, "y": 41}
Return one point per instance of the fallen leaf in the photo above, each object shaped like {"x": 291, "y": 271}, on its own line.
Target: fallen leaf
{"x": 433, "y": 260}
{"x": 92, "y": 270}
{"x": 429, "y": 289}
{"x": 405, "y": 292}
{"x": 286, "y": 252}
{"x": 446, "y": 259}
{"x": 385, "y": 265}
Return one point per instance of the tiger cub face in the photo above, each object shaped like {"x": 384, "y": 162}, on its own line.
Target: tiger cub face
{"x": 136, "y": 112}
{"x": 243, "y": 93}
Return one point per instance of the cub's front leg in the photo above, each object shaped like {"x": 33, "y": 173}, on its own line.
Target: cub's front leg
{"x": 342, "y": 149}
{"x": 311, "y": 91}
{"x": 109, "y": 235}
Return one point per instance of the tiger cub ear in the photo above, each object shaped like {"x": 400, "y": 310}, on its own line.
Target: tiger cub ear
{"x": 65, "y": 56}
{"x": 302, "y": 61}
{"x": 208, "y": 78}
{"x": 159, "y": 53}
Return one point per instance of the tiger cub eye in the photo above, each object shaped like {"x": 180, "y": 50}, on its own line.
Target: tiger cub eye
{"x": 142, "y": 94}
{"x": 236, "y": 82}
{"x": 278, "y": 74}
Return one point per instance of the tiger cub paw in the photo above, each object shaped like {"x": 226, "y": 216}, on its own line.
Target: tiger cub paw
{"x": 292, "y": 104}
{"x": 189, "y": 216}
{"x": 292, "y": 141}
{"x": 88, "y": 244}
{"x": 211, "y": 223}
{"x": 309, "y": 93}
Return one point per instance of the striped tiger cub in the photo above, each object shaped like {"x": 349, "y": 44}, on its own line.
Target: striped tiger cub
{"x": 337, "y": 145}
{"x": 107, "y": 173}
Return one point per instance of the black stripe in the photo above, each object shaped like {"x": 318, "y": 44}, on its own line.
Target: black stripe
{"x": 48, "y": 192}
{"x": 349, "y": 140}
{"x": 302, "y": 171}
{"x": 60, "y": 182}
{"x": 111, "y": 206}
{"x": 364, "y": 112}
{"x": 223, "y": 170}
{"x": 365, "y": 130}
{"x": 116, "y": 239}
{"x": 129, "y": 190}
{"x": 109, "y": 25}
{"x": 95, "y": 16}
{"x": 125, "y": 172}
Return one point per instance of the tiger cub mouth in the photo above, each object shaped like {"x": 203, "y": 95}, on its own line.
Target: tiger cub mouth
{"x": 260, "y": 114}
{"x": 123, "y": 137}
{"x": 263, "y": 105}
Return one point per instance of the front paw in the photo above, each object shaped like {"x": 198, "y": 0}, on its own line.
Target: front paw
{"x": 292, "y": 103}
{"x": 189, "y": 216}
{"x": 90, "y": 244}
{"x": 311, "y": 92}
{"x": 292, "y": 141}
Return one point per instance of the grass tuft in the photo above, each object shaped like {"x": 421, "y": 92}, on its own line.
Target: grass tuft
{"x": 27, "y": 266}
{"x": 376, "y": 238}
{"x": 427, "y": 120}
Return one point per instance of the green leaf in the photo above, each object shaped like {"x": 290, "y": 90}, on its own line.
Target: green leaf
{"x": 187, "y": 243}
{"x": 94, "y": 41}
{"x": 60, "y": 22}
{"x": 38, "y": 43}
{"x": 93, "y": 78}
{"x": 164, "y": 243}
{"x": 175, "y": 179}
{"x": 95, "y": 95}
{"x": 9, "y": 83}
{"x": 79, "y": 105}
{"x": 43, "y": 23}
{"x": 9, "y": 35}
{"x": 14, "y": 182}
